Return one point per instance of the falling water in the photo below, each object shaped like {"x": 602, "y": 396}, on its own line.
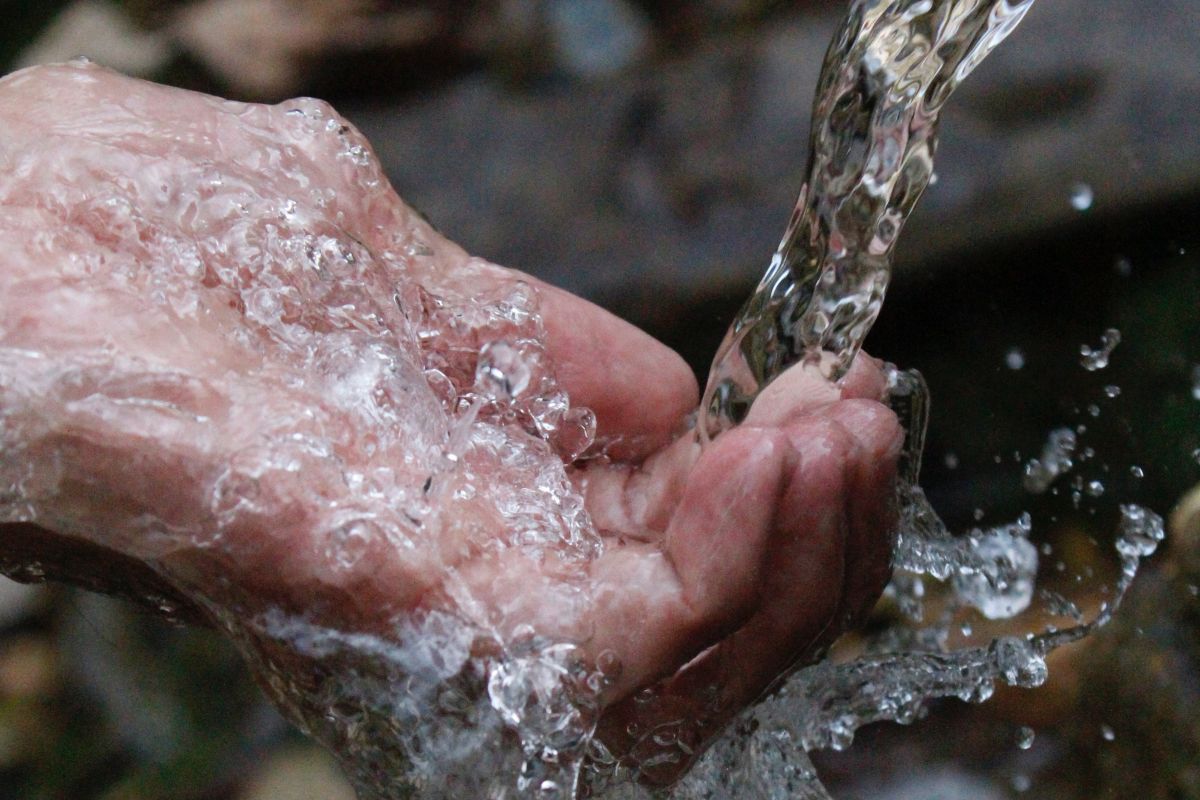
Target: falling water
{"x": 888, "y": 73}
{"x": 886, "y": 77}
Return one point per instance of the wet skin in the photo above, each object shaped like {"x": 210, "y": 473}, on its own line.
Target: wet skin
{"x": 135, "y": 368}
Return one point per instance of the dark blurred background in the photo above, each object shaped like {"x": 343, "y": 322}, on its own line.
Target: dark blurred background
{"x": 646, "y": 154}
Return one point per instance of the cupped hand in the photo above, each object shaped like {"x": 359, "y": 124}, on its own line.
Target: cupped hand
{"x": 236, "y": 368}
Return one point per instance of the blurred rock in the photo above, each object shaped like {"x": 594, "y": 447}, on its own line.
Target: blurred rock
{"x": 299, "y": 773}
{"x": 652, "y": 189}
{"x": 28, "y": 667}
{"x": 1185, "y": 530}
{"x": 267, "y": 48}
{"x": 102, "y": 32}
{"x": 18, "y": 600}
{"x": 597, "y": 38}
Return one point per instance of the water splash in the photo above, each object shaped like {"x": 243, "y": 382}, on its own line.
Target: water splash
{"x": 1056, "y": 459}
{"x": 887, "y": 74}
{"x": 1094, "y": 359}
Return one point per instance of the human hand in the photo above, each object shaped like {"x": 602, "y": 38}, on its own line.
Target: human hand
{"x": 236, "y": 368}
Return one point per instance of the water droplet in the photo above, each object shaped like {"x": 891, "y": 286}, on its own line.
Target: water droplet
{"x": 1196, "y": 382}
{"x": 1139, "y": 532}
{"x": 349, "y": 543}
{"x": 1025, "y": 737}
{"x": 1021, "y": 782}
{"x": 1093, "y": 410}
{"x": 1095, "y": 488}
{"x": 1014, "y": 359}
{"x": 998, "y": 580}
{"x": 1108, "y": 733}
{"x": 1095, "y": 359}
{"x": 1054, "y": 461}
{"x": 502, "y": 373}
{"x": 1112, "y": 392}
{"x": 1082, "y": 197}
{"x": 1137, "y": 471}
{"x": 966, "y": 629}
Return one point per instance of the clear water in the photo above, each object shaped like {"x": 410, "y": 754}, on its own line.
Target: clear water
{"x": 457, "y": 700}
{"x": 889, "y": 71}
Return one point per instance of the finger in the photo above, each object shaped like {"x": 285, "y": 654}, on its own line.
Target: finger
{"x": 872, "y": 508}
{"x": 656, "y": 611}
{"x": 640, "y": 389}
{"x": 803, "y": 389}
{"x": 637, "y": 500}
{"x": 865, "y": 379}
{"x": 801, "y": 593}
{"x": 652, "y": 607}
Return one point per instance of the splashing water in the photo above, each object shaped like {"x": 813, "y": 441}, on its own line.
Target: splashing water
{"x": 440, "y": 704}
{"x": 1097, "y": 359}
{"x": 887, "y": 75}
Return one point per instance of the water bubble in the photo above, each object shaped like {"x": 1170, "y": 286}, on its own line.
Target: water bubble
{"x": 575, "y": 433}
{"x": 349, "y": 543}
{"x": 1096, "y": 359}
{"x": 1095, "y": 488}
{"x": 1108, "y": 733}
{"x": 1112, "y": 392}
{"x": 1025, "y": 737}
{"x": 1196, "y": 382}
{"x": 1014, "y": 359}
{"x": 1082, "y": 197}
{"x": 1123, "y": 266}
{"x": 1021, "y": 782}
{"x": 1196, "y": 455}
{"x": 951, "y": 460}
{"x": 502, "y": 373}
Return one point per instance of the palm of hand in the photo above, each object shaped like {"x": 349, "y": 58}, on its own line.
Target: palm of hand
{"x": 230, "y": 352}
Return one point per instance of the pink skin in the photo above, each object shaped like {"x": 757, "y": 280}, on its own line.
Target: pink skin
{"x": 724, "y": 566}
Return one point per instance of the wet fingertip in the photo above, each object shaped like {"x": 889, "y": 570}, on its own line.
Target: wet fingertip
{"x": 865, "y": 379}
{"x": 802, "y": 389}
{"x": 873, "y": 425}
